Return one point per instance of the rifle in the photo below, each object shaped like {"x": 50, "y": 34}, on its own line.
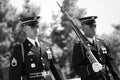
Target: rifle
{"x": 83, "y": 39}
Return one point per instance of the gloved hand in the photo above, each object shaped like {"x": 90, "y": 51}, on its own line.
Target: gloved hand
{"x": 96, "y": 67}
{"x": 49, "y": 53}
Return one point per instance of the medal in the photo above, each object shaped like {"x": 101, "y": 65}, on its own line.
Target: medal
{"x": 33, "y": 65}
{"x": 104, "y": 50}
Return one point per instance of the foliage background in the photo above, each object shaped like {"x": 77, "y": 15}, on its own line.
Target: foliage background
{"x": 58, "y": 34}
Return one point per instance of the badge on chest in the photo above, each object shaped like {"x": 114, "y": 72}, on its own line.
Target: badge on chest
{"x": 31, "y": 58}
{"x": 14, "y": 62}
{"x": 104, "y": 50}
{"x": 33, "y": 65}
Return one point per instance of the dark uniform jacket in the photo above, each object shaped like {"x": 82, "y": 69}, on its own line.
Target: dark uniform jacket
{"x": 1, "y": 74}
{"x": 30, "y": 61}
{"x": 83, "y": 67}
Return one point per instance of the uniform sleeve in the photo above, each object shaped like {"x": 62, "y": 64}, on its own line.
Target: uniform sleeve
{"x": 16, "y": 60}
{"x": 78, "y": 60}
{"x": 55, "y": 69}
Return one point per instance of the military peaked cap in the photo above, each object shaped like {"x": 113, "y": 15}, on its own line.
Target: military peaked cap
{"x": 88, "y": 20}
{"x": 31, "y": 21}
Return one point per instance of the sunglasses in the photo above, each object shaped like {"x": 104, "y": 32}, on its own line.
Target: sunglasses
{"x": 92, "y": 25}
{"x": 33, "y": 25}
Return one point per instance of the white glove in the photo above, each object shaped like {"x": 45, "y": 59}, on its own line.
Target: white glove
{"x": 49, "y": 53}
{"x": 96, "y": 67}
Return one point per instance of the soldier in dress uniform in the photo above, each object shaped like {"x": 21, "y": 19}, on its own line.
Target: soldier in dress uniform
{"x": 31, "y": 59}
{"x": 101, "y": 70}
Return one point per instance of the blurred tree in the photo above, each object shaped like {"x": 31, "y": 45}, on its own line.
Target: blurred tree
{"x": 7, "y": 20}
{"x": 7, "y": 24}
{"x": 63, "y": 35}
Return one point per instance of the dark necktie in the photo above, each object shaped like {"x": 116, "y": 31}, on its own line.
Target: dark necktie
{"x": 36, "y": 45}
{"x": 95, "y": 43}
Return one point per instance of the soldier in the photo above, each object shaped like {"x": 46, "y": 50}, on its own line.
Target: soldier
{"x": 100, "y": 70}
{"x": 32, "y": 58}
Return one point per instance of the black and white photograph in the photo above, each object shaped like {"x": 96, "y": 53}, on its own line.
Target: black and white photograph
{"x": 59, "y": 40}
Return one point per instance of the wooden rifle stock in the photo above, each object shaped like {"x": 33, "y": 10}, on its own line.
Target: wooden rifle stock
{"x": 81, "y": 37}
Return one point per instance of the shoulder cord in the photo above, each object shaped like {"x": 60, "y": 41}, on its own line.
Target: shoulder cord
{"x": 22, "y": 49}
{"x": 22, "y": 52}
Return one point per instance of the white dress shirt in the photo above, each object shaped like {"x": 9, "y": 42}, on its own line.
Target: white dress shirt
{"x": 33, "y": 41}
{"x": 91, "y": 39}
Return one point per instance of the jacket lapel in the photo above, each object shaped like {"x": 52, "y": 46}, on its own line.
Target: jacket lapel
{"x": 29, "y": 46}
{"x": 34, "y": 49}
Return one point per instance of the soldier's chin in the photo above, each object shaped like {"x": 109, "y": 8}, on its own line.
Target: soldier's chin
{"x": 94, "y": 32}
